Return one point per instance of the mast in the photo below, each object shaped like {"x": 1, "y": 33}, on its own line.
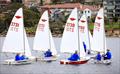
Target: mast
{"x": 103, "y": 33}
{"x": 23, "y": 37}
{"x": 49, "y": 33}
{"x": 89, "y": 40}
{"x": 49, "y": 38}
{"x": 78, "y": 35}
{"x": 89, "y": 37}
{"x": 23, "y": 41}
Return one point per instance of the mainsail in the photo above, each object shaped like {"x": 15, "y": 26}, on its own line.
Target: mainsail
{"x": 99, "y": 38}
{"x": 84, "y": 35}
{"x": 16, "y": 39}
{"x": 43, "y": 39}
{"x": 69, "y": 41}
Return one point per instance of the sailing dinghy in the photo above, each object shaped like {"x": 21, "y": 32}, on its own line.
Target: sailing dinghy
{"x": 16, "y": 39}
{"x": 43, "y": 38}
{"x": 99, "y": 37}
{"x": 71, "y": 40}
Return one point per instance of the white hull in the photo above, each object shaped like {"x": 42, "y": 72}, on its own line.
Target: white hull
{"x": 13, "y": 62}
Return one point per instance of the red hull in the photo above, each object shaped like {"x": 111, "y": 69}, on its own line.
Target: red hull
{"x": 73, "y": 62}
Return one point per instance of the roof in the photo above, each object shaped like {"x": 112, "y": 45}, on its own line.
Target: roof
{"x": 71, "y": 6}
{"x": 4, "y": 2}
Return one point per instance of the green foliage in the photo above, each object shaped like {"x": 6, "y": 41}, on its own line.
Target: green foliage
{"x": 31, "y": 17}
{"x": 2, "y": 26}
{"x": 91, "y": 26}
{"x": 30, "y": 30}
{"x": 92, "y": 20}
{"x": 41, "y": 2}
{"x": 113, "y": 25}
{"x": 115, "y": 19}
{"x": 54, "y": 1}
{"x": 57, "y": 26}
{"x": 34, "y": 9}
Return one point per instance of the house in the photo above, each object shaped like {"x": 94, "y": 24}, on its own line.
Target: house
{"x": 112, "y": 9}
{"x": 4, "y": 3}
{"x": 67, "y": 8}
{"x": 87, "y": 12}
{"x": 30, "y": 3}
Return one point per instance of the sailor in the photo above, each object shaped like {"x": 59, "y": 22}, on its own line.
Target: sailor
{"x": 85, "y": 48}
{"x": 48, "y": 53}
{"x": 17, "y": 57}
{"x": 84, "y": 45}
{"x": 108, "y": 55}
{"x": 74, "y": 57}
{"x": 23, "y": 57}
{"x": 98, "y": 57}
{"x": 89, "y": 52}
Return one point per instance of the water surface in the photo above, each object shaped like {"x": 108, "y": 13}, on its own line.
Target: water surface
{"x": 56, "y": 68}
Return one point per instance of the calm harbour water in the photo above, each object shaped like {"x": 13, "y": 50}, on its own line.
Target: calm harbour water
{"x": 56, "y": 68}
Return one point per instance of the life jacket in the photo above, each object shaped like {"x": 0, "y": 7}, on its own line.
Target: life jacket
{"x": 109, "y": 55}
{"x": 17, "y": 58}
{"x": 48, "y": 54}
{"x": 74, "y": 57}
{"x": 23, "y": 57}
{"x": 98, "y": 57}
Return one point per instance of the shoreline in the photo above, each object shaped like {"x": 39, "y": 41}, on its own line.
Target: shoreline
{"x": 60, "y": 36}
{"x": 109, "y": 33}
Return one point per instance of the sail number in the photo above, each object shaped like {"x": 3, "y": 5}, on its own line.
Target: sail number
{"x": 81, "y": 29}
{"x": 41, "y": 27}
{"x": 97, "y": 26}
{"x": 14, "y": 26}
{"x": 70, "y": 27}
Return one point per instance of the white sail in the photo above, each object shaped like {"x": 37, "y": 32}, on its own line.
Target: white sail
{"x": 69, "y": 41}
{"x": 83, "y": 36}
{"x": 105, "y": 49}
{"x": 99, "y": 37}
{"x": 27, "y": 47}
{"x": 52, "y": 45}
{"x": 43, "y": 38}
{"x": 15, "y": 40}
{"x": 91, "y": 40}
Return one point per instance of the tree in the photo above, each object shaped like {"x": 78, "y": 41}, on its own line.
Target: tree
{"x": 76, "y": 1}
{"x": 41, "y": 2}
{"x": 31, "y": 17}
{"x": 13, "y": 0}
{"x": 34, "y": 9}
{"x": 115, "y": 18}
{"x": 55, "y": 1}
{"x": 19, "y": 1}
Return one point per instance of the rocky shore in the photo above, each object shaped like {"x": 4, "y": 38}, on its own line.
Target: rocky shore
{"x": 109, "y": 33}
{"x": 113, "y": 33}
